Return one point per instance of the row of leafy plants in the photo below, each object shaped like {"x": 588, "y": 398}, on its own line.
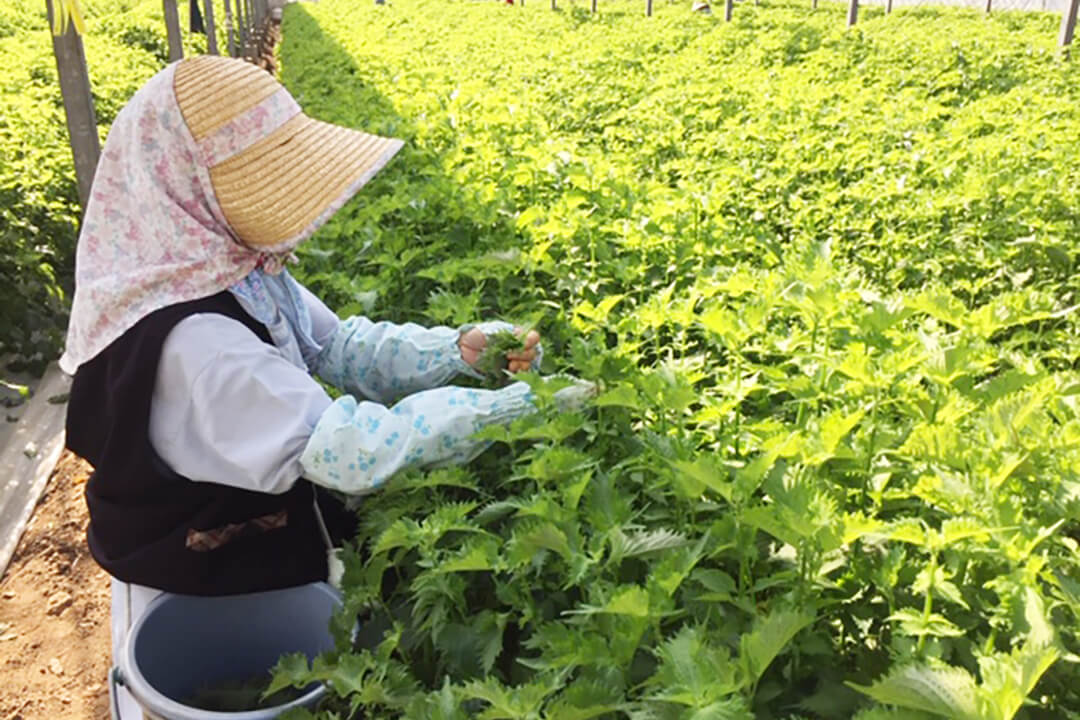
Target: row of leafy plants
{"x": 125, "y": 44}
{"x": 826, "y": 280}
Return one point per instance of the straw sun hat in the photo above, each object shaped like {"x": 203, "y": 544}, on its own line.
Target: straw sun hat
{"x": 277, "y": 174}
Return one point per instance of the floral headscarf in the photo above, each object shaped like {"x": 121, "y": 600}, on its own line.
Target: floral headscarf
{"x": 154, "y": 234}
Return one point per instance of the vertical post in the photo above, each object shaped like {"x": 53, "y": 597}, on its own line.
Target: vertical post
{"x": 593, "y": 6}
{"x": 813, "y": 5}
{"x": 172, "y": 29}
{"x": 553, "y": 5}
{"x": 648, "y": 8}
{"x": 988, "y": 6}
{"x": 1068, "y": 24}
{"x": 264, "y": 26}
{"x": 249, "y": 29}
{"x": 229, "y": 38}
{"x": 729, "y": 10}
{"x": 242, "y": 31}
{"x": 78, "y": 105}
{"x": 852, "y": 12}
{"x": 211, "y": 28}
{"x": 888, "y": 6}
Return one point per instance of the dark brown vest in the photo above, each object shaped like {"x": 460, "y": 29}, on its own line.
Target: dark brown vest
{"x": 151, "y": 526}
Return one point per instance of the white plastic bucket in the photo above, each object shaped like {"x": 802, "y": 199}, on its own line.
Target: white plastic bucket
{"x": 183, "y": 643}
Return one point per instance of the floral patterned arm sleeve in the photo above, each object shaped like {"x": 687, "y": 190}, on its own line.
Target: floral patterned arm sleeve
{"x": 383, "y": 361}
{"x": 356, "y": 446}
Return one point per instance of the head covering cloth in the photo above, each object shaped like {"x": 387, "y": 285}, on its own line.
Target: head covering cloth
{"x": 210, "y": 171}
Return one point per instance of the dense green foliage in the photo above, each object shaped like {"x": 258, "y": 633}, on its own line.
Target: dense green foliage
{"x": 39, "y": 204}
{"x": 827, "y": 279}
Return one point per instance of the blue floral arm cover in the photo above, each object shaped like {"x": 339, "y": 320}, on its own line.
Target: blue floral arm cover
{"x": 357, "y": 446}
{"x": 383, "y": 361}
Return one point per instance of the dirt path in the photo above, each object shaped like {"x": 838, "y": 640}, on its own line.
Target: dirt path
{"x": 54, "y": 611}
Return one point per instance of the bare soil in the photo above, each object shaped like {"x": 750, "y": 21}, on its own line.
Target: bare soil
{"x": 55, "y": 642}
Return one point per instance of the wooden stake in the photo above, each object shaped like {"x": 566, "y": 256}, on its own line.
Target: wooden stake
{"x": 1068, "y": 25}
{"x": 729, "y": 10}
{"x": 211, "y": 28}
{"x": 852, "y": 12}
{"x": 230, "y": 38}
{"x": 172, "y": 29}
{"x": 78, "y": 105}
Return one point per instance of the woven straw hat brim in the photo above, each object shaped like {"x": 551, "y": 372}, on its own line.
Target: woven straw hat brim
{"x": 277, "y": 192}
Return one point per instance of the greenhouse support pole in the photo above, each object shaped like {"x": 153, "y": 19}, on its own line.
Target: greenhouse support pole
{"x": 852, "y": 12}
{"x": 263, "y": 13}
{"x": 239, "y": 33}
{"x": 249, "y": 25}
{"x": 211, "y": 28}
{"x": 229, "y": 38}
{"x": 78, "y": 105}
{"x": 172, "y": 29}
{"x": 1068, "y": 24}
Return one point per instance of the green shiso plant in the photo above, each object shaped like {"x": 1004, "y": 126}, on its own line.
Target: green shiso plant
{"x": 826, "y": 279}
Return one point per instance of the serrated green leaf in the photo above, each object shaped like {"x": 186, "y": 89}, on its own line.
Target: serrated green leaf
{"x": 943, "y": 690}
{"x": 583, "y": 700}
{"x": 632, "y": 601}
{"x": 733, "y": 708}
{"x": 642, "y": 542}
{"x": 693, "y": 672}
{"x": 478, "y": 555}
{"x": 880, "y": 713}
{"x": 621, "y": 395}
{"x": 770, "y": 635}
{"x": 403, "y": 533}
{"x": 693, "y": 477}
{"x": 291, "y": 670}
{"x": 837, "y": 425}
{"x": 526, "y": 544}
{"x": 1008, "y": 679}
{"x": 558, "y": 463}
{"x": 915, "y": 623}
{"x": 909, "y": 531}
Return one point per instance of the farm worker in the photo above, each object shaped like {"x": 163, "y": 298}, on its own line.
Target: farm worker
{"x": 193, "y": 347}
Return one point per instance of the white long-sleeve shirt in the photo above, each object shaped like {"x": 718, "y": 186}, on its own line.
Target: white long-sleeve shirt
{"x": 231, "y": 409}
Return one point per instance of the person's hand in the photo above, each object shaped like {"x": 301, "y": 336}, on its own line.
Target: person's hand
{"x": 473, "y": 343}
